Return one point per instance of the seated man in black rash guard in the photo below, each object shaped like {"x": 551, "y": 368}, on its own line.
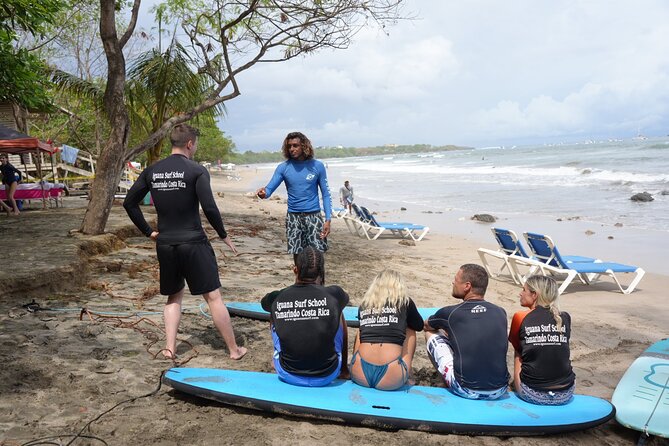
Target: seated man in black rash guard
{"x": 308, "y": 326}
{"x": 178, "y": 187}
{"x": 467, "y": 342}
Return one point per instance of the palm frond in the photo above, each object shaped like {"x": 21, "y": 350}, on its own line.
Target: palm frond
{"x": 70, "y": 83}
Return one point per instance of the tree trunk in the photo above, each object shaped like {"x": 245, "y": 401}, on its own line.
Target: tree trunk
{"x": 112, "y": 156}
{"x": 108, "y": 174}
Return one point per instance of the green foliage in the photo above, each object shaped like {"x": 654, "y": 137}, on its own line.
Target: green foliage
{"x": 249, "y": 157}
{"x": 161, "y": 85}
{"x": 22, "y": 73}
{"x": 21, "y": 77}
{"x": 29, "y": 15}
{"x": 212, "y": 144}
{"x": 79, "y": 122}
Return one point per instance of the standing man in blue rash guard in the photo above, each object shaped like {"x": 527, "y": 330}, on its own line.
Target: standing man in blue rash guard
{"x": 178, "y": 187}
{"x": 303, "y": 176}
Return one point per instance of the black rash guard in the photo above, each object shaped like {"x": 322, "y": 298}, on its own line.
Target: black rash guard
{"x": 306, "y": 318}
{"x": 390, "y": 324}
{"x": 543, "y": 348}
{"x": 477, "y": 334}
{"x": 178, "y": 186}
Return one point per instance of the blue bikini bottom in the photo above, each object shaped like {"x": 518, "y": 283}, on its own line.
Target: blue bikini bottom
{"x": 374, "y": 373}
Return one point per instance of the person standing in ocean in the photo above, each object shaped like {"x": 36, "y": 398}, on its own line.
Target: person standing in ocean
{"x": 178, "y": 187}
{"x": 303, "y": 176}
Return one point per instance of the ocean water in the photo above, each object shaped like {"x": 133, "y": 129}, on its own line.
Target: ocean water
{"x": 561, "y": 190}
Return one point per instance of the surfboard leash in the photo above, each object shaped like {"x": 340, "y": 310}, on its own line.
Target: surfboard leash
{"x": 150, "y": 334}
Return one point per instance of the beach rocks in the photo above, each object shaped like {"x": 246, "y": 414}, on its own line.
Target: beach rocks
{"x": 485, "y": 218}
{"x": 665, "y": 192}
{"x": 642, "y": 196}
{"x": 407, "y": 242}
{"x": 403, "y": 209}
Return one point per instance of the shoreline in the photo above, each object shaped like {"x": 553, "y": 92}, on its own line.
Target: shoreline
{"x": 571, "y": 234}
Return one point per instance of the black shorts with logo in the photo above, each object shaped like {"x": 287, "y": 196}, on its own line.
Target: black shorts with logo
{"x": 194, "y": 262}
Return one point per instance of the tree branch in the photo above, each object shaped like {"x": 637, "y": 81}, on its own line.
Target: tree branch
{"x": 131, "y": 26}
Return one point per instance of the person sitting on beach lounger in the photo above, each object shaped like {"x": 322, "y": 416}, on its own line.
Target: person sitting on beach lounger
{"x": 307, "y": 325}
{"x": 467, "y": 342}
{"x": 386, "y": 341}
{"x": 540, "y": 336}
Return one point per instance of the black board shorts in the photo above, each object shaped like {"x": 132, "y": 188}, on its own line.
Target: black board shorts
{"x": 194, "y": 262}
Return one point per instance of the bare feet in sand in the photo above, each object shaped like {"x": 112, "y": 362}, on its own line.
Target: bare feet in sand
{"x": 167, "y": 354}
{"x": 241, "y": 351}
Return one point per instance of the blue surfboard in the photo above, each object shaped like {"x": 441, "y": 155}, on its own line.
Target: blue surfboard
{"x": 411, "y": 407}
{"x": 253, "y": 310}
{"x": 642, "y": 395}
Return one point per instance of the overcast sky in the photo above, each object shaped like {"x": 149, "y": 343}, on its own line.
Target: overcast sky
{"x": 475, "y": 73}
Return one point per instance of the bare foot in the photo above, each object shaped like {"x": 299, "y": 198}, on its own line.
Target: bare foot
{"x": 241, "y": 351}
{"x": 168, "y": 354}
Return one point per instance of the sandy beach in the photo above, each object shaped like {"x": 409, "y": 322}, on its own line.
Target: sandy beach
{"x": 91, "y": 340}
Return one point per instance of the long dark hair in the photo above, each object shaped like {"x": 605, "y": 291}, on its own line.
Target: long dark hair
{"x": 307, "y": 148}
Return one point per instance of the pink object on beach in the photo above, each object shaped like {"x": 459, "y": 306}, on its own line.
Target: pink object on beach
{"x": 34, "y": 191}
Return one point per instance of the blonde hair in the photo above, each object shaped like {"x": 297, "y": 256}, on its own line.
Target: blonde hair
{"x": 547, "y": 295}
{"x": 386, "y": 290}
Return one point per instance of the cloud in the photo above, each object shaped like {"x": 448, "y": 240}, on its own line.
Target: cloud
{"x": 474, "y": 73}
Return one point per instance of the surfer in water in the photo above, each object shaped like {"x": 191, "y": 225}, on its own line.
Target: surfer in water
{"x": 542, "y": 372}
{"x": 178, "y": 187}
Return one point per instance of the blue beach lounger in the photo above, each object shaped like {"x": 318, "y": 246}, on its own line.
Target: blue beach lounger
{"x": 368, "y": 226}
{"x": 510, "y": 245}
{"x": 339, "y": 212}
{"x": 548, "y": 260}
{"x": 355, "y": 222}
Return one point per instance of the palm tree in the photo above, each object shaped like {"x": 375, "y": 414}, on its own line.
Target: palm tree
{"x": 160, "y": 85}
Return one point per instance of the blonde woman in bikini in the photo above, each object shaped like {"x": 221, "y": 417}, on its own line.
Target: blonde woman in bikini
{"x": 386, "y": 341}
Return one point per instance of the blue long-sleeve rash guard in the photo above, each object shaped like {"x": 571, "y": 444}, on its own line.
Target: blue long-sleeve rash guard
{"x": 302, "y": 178}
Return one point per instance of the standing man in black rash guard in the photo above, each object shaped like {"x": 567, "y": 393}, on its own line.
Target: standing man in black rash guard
{"x": 178, "y": 187}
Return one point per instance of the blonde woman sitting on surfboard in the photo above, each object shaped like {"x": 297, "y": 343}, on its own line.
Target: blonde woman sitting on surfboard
{"x": 386, "y": 341}
{"x": 540, "y": 336}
